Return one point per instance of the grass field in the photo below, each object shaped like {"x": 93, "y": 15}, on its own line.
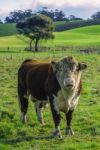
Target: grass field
{"x": 7, "y": 29}
{"x": 33, "y": 136}
{"x": 86, "y": 119}
{"x": 83, "y": 37}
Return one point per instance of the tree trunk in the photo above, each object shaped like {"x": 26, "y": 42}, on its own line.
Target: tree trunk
{"x": 36, "y": 45}
{"x": 30, "y": 45}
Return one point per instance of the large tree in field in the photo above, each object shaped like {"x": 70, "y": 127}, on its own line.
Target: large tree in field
{"x": 36, "y": 28}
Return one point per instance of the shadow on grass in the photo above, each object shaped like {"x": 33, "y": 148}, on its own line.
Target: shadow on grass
{"x": 23, "y": 139}
{"x": 7, "y": 51}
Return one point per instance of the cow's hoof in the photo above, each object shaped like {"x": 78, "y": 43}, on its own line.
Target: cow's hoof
{"x": 24, "y": 120}
{"x": 57, "y": 133}
{"x": 69, "y": 131}
{"x": 42, "y": 122}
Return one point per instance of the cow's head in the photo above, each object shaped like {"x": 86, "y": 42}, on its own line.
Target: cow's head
{"x": 67, "y": 71}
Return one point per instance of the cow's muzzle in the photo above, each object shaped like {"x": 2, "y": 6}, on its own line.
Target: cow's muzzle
{"x": 68, "y": 83}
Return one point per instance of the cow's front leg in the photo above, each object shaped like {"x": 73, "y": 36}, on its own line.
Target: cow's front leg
{"x": 69, "y": 130}
{"x": 38, "y": 107}
{"x": 56, "y": 116}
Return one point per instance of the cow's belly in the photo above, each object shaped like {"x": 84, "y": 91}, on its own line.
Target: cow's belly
{"x": 66, "y": 102}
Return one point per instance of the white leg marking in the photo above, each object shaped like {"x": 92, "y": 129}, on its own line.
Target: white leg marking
{"x": 39, "y": 112}
{"x": 69, "y": 131}
{"x": 24, "y": 118}
{"x": 57, "y": 133}
{"x": 56, "y": 105}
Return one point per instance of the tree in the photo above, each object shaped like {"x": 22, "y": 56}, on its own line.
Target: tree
{"x": 55, "y": 15}
{"x": 45, "y": 11}
{"x": 1, "y": 21}
{"x": 36, "y": 28}
{"x": 18, "y": 15}
{"x": 59, "y": 15}
{"x": 96, "y": 15}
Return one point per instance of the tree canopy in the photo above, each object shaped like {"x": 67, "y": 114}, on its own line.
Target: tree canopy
{"x": 56, "y": 15}
{"x": 96, "y": 15}
{"x": 36, "y": 28}
{"x": 1, "y": 21}
{"x": 17, "y": 15}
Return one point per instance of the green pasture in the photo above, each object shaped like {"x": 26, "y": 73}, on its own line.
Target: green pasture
{"x": 33, "y": 136}
{"x": 57, "y": 23}
{"x": 86, "y": 119}
{"x": 7, "y": 29}
{"x": 83, "y": 37}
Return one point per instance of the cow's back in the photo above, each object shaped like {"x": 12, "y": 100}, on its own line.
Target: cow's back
{"x": 34, "y": 75}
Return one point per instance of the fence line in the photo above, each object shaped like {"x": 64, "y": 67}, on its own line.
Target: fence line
{"x": 48, "y": 52}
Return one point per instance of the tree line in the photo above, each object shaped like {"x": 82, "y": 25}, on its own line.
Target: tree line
{"x": 77, "y": 24}
{"x": 55, "y": 15}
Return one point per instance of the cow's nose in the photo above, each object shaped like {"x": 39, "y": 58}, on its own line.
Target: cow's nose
{"x": 68, "y": 82}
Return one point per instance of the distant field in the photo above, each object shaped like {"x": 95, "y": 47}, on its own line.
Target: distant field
{"x": 90, "y": 30}
{"x": 85, "y": 37}
{"x": 7, "y": 41}
{"x": 7, "y": 29}
{"x": 56, "y": 23}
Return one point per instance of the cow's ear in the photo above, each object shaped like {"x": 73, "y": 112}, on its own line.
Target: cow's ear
{"x": 53, "y": 62}
{"x": 82, "y": 66}
{"x": 54, "y": 65}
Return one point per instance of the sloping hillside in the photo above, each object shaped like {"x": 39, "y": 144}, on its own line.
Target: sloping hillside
{"x": 68, "y": 25}
{"x": 89, "y": 30}
{"x": 84, "y": 36}
{"x": 7, "y": 29}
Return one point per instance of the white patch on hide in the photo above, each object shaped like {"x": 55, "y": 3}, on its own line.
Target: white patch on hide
{"x": 67, "y": 99}
{"x": 56, "y": 105}
{"x": 24, "y": 118}
{"x": 39, "y": 110}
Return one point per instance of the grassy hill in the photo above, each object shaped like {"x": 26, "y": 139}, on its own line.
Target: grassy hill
{"x": 68, "y": 25}
{"x": 84, "y": 36}
{"x": 89, "y": 30}
{"x": 7, "y": 29}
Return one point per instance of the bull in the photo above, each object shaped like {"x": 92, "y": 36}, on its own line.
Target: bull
{"x": 58, "y": 83}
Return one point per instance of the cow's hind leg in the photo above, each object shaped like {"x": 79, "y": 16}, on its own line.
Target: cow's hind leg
{"x": 23, "y": 102}
{"x": 69, "y": 130}
{"x": 39, "y": 109}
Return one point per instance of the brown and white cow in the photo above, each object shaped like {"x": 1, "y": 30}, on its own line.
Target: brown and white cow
{"x": 58, "y": 83}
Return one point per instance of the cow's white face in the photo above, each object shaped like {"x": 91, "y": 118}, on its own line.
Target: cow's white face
{"x": 67, "y": 71}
